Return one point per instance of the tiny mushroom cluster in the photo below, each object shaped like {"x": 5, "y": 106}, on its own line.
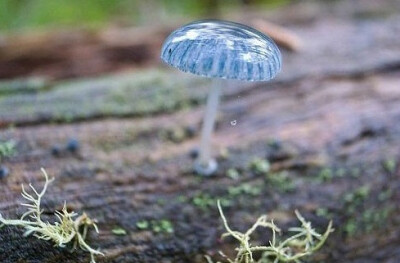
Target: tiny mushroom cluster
{"x": 220, "y": 50}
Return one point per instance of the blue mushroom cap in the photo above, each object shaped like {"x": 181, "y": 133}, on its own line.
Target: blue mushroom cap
{"x": 222, "y": 49}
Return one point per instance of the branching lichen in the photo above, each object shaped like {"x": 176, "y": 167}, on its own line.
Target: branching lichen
{"x": 303, "y": 243}
{"x": 68, "y": 227}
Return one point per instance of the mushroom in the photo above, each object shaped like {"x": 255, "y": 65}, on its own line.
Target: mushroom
{"x": 220, "y": 50}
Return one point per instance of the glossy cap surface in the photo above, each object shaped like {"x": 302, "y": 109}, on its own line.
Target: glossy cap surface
{"x": 222, "y": 49}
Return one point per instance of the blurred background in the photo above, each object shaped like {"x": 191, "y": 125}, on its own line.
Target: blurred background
{"x": 26, "y": 15}
{"x": 108, "y": 34}
{"x": 66, "y": 39}
{"x": 83, "y": 93}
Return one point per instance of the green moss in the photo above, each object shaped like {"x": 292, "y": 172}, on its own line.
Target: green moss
{"x": 164, "y": 226}
{"x": 7, "y": 149}
{"x": 142, "y": 225}
{"x": 325, "y": 175}
{"x": 385, "y": 195}
{"x": 205, "y": 201}
{"x": 259, "y": 166}
{"x": 245, "y": 189}
{"x": 373, "y": 218}
{"x": 367, "y": 221}
{"x": 362, "y": 218}
{"x": 233, "y": 173}
{"x": 273, "y": 143}
{"x": 156, "y": 226}
{"x": 358, "y": 195}
{"x": 350, "y": 227}
{"x": 389, "y": 165}
{"x": 322, "y": 212}
{"x": 182, "y": 199}
{"x": 223, "y": 154}
{"x": 135, "y": 94}
{"x": 119, "y": 231}
{"x": 362, "y": 192}
{"x": 176, "y": 134}
{"x": 356, "y": 198}
{"x": 25, "y": 85}
{"x": 280, "y": 181}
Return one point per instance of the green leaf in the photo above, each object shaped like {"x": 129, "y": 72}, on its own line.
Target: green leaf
{"x": 119, "y": 231}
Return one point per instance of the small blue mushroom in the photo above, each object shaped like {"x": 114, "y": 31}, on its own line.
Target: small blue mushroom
{"x": 220, "y": 50}
{"x": 4, "y": 172}
{"x": 72, "y": 145}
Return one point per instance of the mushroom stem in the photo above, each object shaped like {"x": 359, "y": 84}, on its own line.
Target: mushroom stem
{"x": 205, "y": 164}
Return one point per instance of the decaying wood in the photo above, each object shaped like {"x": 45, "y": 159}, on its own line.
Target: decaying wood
{"x": 68, "y": 54}
{"x": 330, "y": 121}
{"x": 282, "y": 36}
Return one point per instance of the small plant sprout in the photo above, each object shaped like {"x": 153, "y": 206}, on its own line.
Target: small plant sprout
{"x": 69, "y": 227}
{"x": 303, "y": 243}
{"x": 220, "y": 50}
{"x": 7, "y": 149}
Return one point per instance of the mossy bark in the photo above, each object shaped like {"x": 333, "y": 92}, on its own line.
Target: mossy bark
{"x": 329, "y": 126}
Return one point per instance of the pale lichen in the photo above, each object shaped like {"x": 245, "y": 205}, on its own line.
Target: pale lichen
{"x": 68, "y": 228}
{"x": 294, "y": 248}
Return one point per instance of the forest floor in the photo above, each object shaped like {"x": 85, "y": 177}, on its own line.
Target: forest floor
{"x": 329, "y": 125}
